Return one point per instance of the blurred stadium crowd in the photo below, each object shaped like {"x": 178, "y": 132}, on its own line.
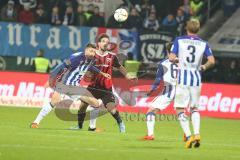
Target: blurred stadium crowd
{"x": 150, "y": 15}
{"x": 143, "y": 14}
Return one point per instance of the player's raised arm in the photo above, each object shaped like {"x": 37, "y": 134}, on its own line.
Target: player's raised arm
{"x": 123, "y": 70}
{"x": 174, "y": 51}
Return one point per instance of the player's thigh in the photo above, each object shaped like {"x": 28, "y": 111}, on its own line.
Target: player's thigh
{"x": 107, "y": 97}
{"x": 96, "y": 93}
{"x": 109, "y": 101}
{"x": 161, "y": 102}
{"x": 56, "y": 97}
{"x": 182, "y": 97}
{"x": 88, "y": 97}
{"x": 195, "y": 96}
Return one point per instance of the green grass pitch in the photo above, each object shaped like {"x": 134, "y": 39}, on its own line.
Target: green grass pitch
{"x": 220, "y": 139}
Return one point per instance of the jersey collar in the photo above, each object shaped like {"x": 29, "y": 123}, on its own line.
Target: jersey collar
{"x": 101, "y": 55}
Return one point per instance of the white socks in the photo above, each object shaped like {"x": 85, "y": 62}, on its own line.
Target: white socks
{"x": 150, "y": 123}
{"x": 184, "y": 122}
{"x": 46, "y": 109}
{"x": 93, "y": 118}
{"x": 196, "y": 122}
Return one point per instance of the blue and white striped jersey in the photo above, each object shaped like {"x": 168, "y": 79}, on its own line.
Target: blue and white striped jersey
{"x": 79, "y": 66}
{"x": 190, "y": 51}
{"x": 168, "y": 73}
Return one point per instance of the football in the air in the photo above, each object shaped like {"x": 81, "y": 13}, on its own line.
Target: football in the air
{"x": 120, "y": 15}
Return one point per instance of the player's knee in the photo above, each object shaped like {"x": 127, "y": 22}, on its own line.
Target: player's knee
{"x": 55, "y": 98}
{"x": 110, "y": 106}
{"x": 113, "y": 110}
{"x": 53, "y": 103}
{"x": 194, "y": 109}
{"x": 179, "y": 110}
{"x": 182, "y": 116}
{"x": 150, "y": 116}
{"x": 152, "y": 110}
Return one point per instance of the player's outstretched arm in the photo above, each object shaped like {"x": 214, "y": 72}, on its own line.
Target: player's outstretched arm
{"x": 106, "y": 75}
{"x": 95, "y": 69}
{"x": 124, "y": 72}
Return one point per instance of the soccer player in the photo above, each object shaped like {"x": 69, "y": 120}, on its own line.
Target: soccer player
{"x": 167, "y": 72}
{"x": 190, "y": 50}
{"x": 77, "y": 65}
{"x": 101, "y": 88}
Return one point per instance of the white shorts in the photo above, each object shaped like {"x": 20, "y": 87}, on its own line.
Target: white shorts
{"x": 187, "y": 96}
{"x": 165, "y": 98}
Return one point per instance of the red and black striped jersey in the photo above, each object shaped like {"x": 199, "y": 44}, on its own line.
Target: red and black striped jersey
{"x": 105, "y": 63}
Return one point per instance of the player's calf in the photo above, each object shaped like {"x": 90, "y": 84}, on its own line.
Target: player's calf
{"x": 150, "y": 117}
{"x": 111, "y": 107}
{"x": 184, "y": 122}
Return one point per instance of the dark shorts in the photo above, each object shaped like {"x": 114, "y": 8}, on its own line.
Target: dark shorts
{"x": 106, "y": 96}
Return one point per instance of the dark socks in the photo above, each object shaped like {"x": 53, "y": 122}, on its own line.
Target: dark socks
{"x": 117, "y": 116}
{"x": 81, "y": 116}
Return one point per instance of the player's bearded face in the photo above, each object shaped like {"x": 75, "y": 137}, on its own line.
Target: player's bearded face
{"x": 103, "y": 44}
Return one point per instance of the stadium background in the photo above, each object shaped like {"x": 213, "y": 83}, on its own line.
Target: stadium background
{"x": 141, "y": 38}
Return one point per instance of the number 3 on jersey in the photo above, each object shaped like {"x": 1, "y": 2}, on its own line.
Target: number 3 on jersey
{"x": 192, "y": 49}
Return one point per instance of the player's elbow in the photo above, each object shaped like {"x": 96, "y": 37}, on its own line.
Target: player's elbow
{"x": 211, "y": 60}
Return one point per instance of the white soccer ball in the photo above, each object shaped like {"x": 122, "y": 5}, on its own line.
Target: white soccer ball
{"x": 120, "y": 15}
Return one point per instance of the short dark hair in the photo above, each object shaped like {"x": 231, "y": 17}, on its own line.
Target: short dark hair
{"x": 40, "y": 53}
{"x": 101, "y": 36}
{"x": 90, "y": 45}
